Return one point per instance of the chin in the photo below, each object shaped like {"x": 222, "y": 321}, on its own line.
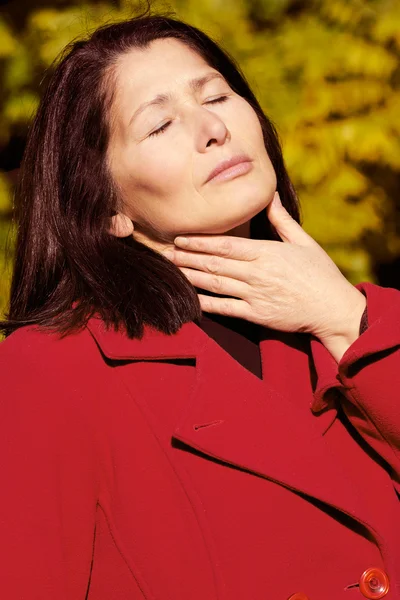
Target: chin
{"x": 242, "y": 221}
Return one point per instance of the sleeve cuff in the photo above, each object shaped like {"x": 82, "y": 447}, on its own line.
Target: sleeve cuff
{"x": 379, "y": 331}
{"x": 383, "y": 330}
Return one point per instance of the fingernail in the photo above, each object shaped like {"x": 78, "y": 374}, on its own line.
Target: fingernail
{"x": 277, "y": 199}
{"x": 181, "y": 241}
{"x": 168, "y": 254}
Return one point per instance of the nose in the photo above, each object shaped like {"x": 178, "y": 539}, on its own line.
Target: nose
{"x": 212, "y": 130}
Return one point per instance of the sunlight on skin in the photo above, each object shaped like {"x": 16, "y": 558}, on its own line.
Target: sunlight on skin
{"x": 289, "y": 286}
{"x": 162, "y": 176}
{"x": 160, "y": 157}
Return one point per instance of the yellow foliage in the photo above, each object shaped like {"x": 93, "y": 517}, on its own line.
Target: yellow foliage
{"x": 5, "y": 194}
{"x": 328, "y": 76}
{"x": 20, "y": 107}
{"x": 7, "y": 41}
{"x": 355, "y": 264}
{"x": 18, "y": 69}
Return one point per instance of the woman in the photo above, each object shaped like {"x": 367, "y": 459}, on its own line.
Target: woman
{"x": 150, "y": 451}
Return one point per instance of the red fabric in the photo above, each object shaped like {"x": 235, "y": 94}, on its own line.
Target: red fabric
{"x": 241, "y": 344}
{"x": 162, "y": 469}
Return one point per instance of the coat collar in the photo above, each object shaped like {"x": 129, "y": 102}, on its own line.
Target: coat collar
{"x": 154, "y": 345}
{"x": 237, "y": 418}
{"x": 188, "y": 343}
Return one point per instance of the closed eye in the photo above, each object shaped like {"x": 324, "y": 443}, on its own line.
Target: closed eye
{"x": 220, "y": 99}
{"x": 164, "y": 127}
{"x": 160, "y": 129}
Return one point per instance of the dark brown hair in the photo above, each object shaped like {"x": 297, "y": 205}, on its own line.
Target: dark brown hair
{"x": 67, "y": 265}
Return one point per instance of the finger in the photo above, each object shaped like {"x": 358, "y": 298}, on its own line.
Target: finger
{"x": 229, "y": 307}
{"x": 220, "y": 245}
{"x": 217, "y": 284}
{"x": 288, "y": 229}
{"x": 215, "y": 265}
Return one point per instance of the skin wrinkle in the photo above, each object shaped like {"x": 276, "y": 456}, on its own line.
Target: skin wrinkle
{"x": 162, "y": 181}
{"x": 161, "y": 177}
{"x": 164, "y": 98}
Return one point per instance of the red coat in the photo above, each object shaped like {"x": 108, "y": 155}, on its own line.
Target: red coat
{"x": 162, "y": 469}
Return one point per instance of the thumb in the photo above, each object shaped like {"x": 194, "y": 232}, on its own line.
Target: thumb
{"x": 288, "y": 229}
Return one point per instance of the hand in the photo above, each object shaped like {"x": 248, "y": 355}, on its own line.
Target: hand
{"x": 291, "y": 286}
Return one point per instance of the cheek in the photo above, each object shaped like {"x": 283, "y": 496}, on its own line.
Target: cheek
{"x": 246, "y": 126}
{"x": 157, "y": 171}
{"x": 247, "y": 129}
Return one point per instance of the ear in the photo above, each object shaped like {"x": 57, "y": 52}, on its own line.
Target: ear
{"x": 121, "y": 225}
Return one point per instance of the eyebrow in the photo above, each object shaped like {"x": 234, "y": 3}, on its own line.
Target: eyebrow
{"x": 194, "y": 84}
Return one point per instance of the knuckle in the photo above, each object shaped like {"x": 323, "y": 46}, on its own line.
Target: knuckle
{"x": 198, "y": 245}
{"x": 205, "y": 304}
{"x": 226, "y": 247}
{"x": 216, "y": 283}
{"x": 226, "y": 307}
{"x": 213, "y": 265}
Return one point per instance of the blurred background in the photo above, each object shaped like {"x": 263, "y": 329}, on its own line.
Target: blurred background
{"x": 327, "y": 72}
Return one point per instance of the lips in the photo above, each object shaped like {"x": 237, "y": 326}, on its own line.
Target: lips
{"x": 227, "y": 163}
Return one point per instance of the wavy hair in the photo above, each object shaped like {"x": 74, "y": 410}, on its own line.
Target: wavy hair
{"x": 67, "y": 265}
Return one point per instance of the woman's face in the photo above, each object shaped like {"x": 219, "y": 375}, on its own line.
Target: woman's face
{"x": 161, "y": 155}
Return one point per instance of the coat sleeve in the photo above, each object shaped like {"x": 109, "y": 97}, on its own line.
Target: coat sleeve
{"x": 368, "y": 376}
{"x": 49, "y": 475}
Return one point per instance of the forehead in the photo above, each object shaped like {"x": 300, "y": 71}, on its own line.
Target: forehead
{"x": 163, "y": 64}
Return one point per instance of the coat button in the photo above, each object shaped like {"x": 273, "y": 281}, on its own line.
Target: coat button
{"x": 374, "y": 583}
{"x": 298, "y": 596}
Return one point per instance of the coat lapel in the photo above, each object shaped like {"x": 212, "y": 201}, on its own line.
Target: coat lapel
{"x": 241, "y": 420}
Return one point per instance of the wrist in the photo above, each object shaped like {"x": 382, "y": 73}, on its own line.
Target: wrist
{"x": 350, "y": 327}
